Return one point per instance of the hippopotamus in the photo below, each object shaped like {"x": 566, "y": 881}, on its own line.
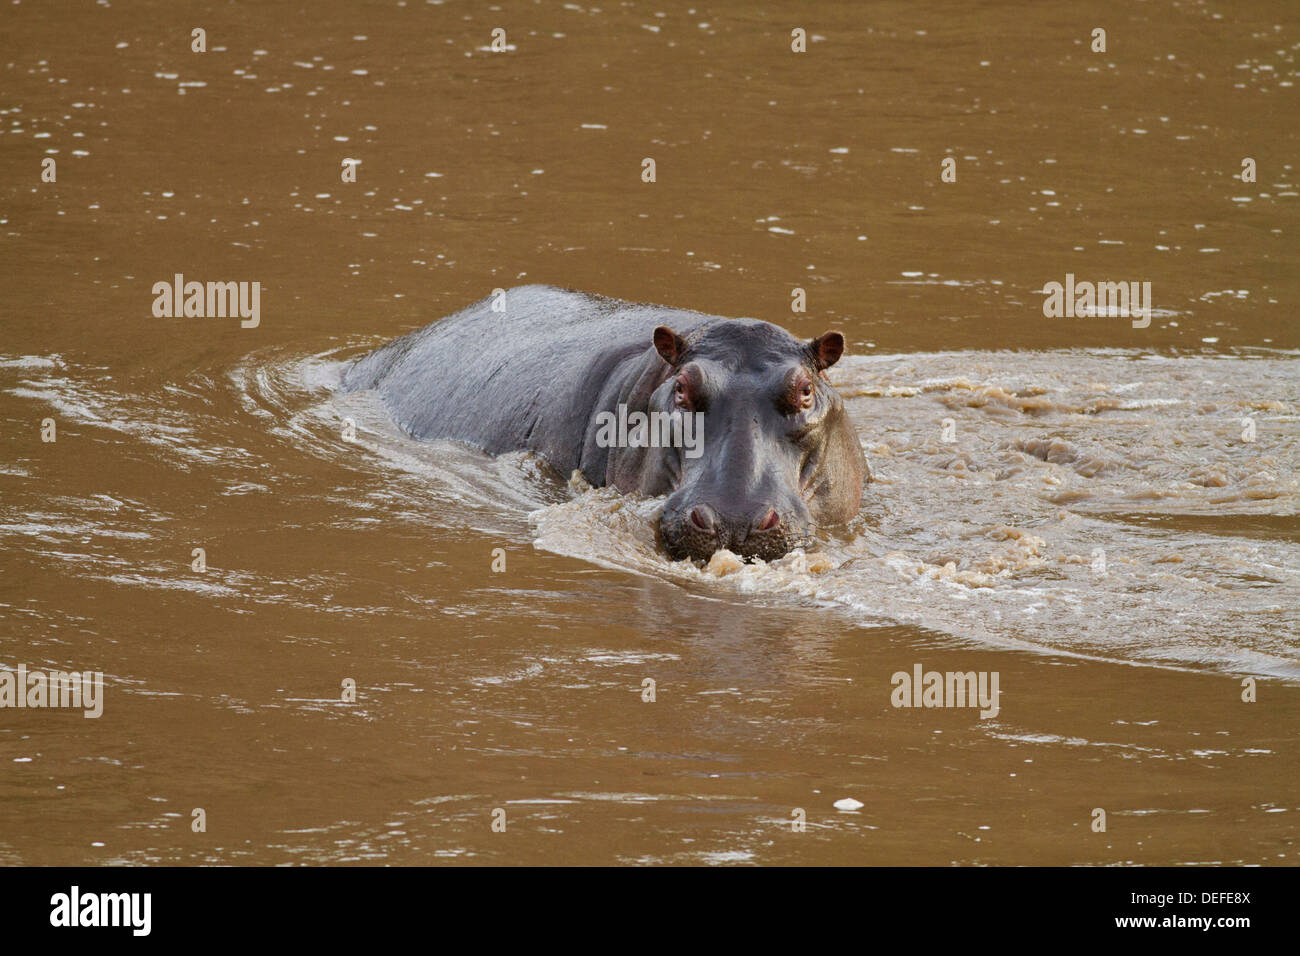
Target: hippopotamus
{"x": 547, "y": 370}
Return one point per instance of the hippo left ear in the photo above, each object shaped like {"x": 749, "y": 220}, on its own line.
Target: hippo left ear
{"x": 669, "y": 345}
{"x": 826, "y": 350}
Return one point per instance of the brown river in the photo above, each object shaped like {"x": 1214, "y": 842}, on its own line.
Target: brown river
{"x": 1101, "y": 511}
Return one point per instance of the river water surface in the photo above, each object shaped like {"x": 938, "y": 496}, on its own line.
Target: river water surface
{"x": 1102, "y": 514}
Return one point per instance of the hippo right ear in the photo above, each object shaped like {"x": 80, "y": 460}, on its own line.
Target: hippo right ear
{"x": 669, "y": 345}
{"x": 826, "y": 350}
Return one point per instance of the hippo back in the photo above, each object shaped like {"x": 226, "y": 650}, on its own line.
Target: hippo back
{"x": 527, "y": 377}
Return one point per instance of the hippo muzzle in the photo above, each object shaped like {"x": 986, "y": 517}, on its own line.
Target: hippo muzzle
{"x": 692, "y": 528}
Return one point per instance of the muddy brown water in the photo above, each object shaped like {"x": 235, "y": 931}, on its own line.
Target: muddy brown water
{"x": 1073, "y": 504}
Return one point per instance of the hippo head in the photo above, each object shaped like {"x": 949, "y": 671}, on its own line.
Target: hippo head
{"x": 777, "y": 456}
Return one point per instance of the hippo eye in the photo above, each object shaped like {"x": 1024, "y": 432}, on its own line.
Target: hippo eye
{"x": 679, "y": 395}
{"x": 801, "y": 396}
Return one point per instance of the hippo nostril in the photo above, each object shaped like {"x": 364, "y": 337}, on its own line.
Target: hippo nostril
{"x": 770, "y": 521}
{"x": 702, "y": 517}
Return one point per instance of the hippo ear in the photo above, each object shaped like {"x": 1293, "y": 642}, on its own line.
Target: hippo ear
{"x": 669, "y": 345}
{"x": 826, "y": 350}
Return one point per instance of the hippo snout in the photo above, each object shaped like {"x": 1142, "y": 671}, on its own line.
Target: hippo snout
{"x": 697, "y": 529}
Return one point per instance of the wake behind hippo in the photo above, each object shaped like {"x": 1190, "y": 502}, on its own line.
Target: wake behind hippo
{"x": 732, "y": 419}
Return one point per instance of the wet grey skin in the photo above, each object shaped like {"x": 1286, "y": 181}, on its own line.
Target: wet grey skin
{"x": 779, "y": 458}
